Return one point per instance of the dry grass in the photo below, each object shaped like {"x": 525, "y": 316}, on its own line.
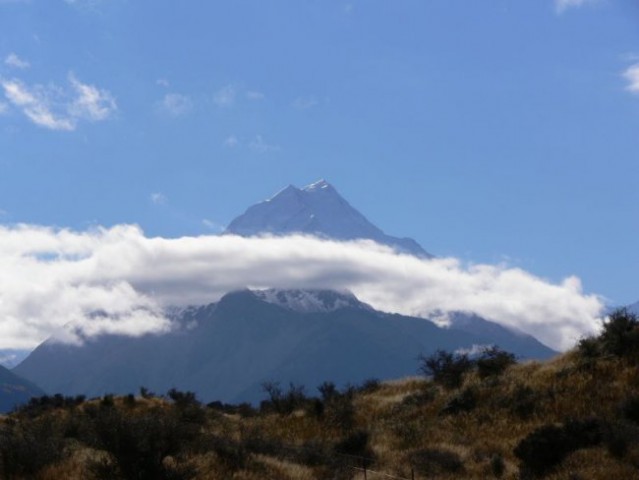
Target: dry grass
{"x": 405, "y": 416}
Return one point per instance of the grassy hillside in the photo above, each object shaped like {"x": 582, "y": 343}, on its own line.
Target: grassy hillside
{"x": 573, "y": 417}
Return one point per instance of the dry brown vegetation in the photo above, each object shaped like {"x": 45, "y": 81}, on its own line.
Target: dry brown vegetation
{"x": 574, "y": 417}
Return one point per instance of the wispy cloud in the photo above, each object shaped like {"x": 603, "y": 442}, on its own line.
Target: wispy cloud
{"x": 90, "y": 102}
{"x": 163, "y": 82}
{"x": 51, "y": 277}
{"x": 563, "y": 5}
{"x": 57, "y": 108}
{"x": 304, "y": 103}
{"x": 632, "y": 76}
{"x": 213, "y": 226}
{"x": 231, "y": 141}
{"x": 158, "y": 198}
{"x": 37, "y": 103}
{"x": 176, "y": 104}
{"x": 225, "y": 96}
{"x": 255, "y": 95}
{"x": 12, "y": 60}
{"x": 259, "y": 145}
{"x": 4, "y": 108}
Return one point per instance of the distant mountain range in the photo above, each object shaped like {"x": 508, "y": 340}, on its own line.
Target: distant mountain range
{"x": 225, "y": 350}
{"x": 15, "y": 390}
{"x": 317, "y": 209}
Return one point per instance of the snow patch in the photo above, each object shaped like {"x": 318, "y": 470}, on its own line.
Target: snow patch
{"x": 310, "y": 301}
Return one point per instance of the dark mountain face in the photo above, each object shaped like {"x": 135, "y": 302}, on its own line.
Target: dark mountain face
{"x": 225, "y": 351}
{"x": 15, "y": 390}
{"x": 317, "y": 209}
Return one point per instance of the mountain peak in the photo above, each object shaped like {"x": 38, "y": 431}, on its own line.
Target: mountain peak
{"x": 320, "y": 185}
{"x": 316, "y": 209}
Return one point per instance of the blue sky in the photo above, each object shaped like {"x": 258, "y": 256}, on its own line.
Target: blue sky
{"x": 488, "y": 131}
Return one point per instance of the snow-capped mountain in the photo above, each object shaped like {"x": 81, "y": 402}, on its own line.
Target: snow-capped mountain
{"x": 226, "y": 350}
{"x": 317, "y": 209}
{"x": 634, "y": 308}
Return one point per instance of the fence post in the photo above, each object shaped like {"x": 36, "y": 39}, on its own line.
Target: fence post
{"x": 364, "y": 467}
{"x": 412, "y": 473}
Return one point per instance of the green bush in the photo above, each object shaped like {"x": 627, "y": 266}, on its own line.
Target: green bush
{"x": 494, "y": 361}
{"x": 546, "y": 447}
{"x": 445, "y": 368}
{"x": 620, "y": 335}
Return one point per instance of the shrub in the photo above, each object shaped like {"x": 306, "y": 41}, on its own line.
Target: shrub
{"x": 523, "y": 402}
{"x": 182, "y": 399}
{"x": 431, "y": 462}
{"x": 446, "y": 369}
{"x": 547, "y": 446}
{"x": 494, "y": 361}
{"x": 340, "y": 413}
{"x": 465, "y": 401}
{"x": 629, "y": 409}
{"x": 589, "y": 349}
{"x": 620, "y": 335}
{"x": 281, "y": 402}
{"x": 370, "y": 385}
{"x": 27, "y": 447}
{"x": 356, "y": 445}
{"x": 138, "y": 443}
{"x": 107, "y": 401}
{"x": 328, "y": 391}
{"x": 497, "y": 465}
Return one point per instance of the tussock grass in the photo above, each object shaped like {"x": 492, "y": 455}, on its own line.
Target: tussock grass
{"x": 395, "y": 427}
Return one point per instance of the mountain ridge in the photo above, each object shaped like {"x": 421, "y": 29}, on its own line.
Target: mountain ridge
{"x": 226, "y": 350}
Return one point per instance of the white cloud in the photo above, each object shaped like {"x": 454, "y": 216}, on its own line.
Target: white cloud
{"x": 260, "y": 146}
{"x": 304, "y": 103}
{"x": 225, "y": 96}
{"x": 255, "y": 95}
{"x": 4, "y": 108}
{"x": 56, "y": 108}
{"x": 158, "y": 198}
{"x": 632, "y": 75}
{"x": 163, "y": 82}
{"x": 37, "y": 104}
{"x": 14, "y": 61}
{"x": 51, "y": 277}
{"x": 90, "y": 102}
{"x": 563, "y": 5}
{"x": 231, "y": 141}
{"x": 176, "y": 104}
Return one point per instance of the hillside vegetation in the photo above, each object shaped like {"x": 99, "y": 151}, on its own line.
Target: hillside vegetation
{"x": 573, "y": 417}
